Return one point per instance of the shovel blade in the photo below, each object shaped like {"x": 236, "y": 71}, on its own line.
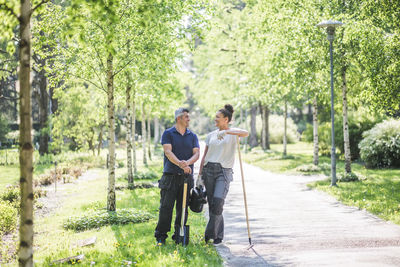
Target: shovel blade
{"x": 185, "y": 240}
{"x": 183, "y": 237}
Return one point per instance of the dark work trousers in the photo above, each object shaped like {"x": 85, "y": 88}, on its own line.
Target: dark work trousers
{"x": 216, "y": 180}
{"x": 171, "y": 186}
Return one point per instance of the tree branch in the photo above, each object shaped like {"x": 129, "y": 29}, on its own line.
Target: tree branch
{"x": 38, "y": 5}
{"x": 98, "y": 25}
{"x": 89, "y": 81}
{"x": 9, "y": 71}
{"x": 98, "y": 77}
{"x": 8, "y": 97}
{"x": 228, "y": 50}
{"x": 98, "y": 56}
{"x": 5, "y": 7}
{"x": 123, "y": 67}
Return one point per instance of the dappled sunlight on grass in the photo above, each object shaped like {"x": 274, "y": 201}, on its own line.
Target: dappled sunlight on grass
{"x": 118, "y": 245}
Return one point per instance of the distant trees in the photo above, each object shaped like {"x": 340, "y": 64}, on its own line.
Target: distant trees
{"x": 271, "y": 52}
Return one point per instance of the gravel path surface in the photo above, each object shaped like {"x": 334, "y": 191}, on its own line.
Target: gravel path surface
{"x": 294, "y": 226}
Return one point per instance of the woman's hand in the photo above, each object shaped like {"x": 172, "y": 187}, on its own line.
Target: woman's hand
{"x": 221, "y": 134}
{"x": 199, "y": 181}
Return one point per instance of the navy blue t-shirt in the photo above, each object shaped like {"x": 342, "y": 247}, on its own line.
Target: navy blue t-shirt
{"x": 182, "y": 147}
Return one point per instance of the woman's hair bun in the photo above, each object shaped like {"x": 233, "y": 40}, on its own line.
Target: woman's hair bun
{"x": 229, "y": 108}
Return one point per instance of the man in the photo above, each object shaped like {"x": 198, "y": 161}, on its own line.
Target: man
{"x": 181, "y": 151}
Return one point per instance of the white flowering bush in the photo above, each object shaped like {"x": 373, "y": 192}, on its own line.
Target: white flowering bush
{"x": 381, "y": 145}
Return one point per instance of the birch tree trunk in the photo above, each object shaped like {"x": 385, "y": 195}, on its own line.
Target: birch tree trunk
{"x": 129, "y": 135}
{"x": 111, "y": 135}
{"x": 149, "y": 136}
{"x": 144, "y": 135}
{"x": 347, "y": 152}
{"x": 265, "y": 127}
{"x": 43, "y": 112}
{"x": 253, "y": 131}
{"x": 100, "y": 140}
{"x": 134, "y": 133}
{"x": 315, "y": 132}
{"x": 285, "y": 131}
{"x": 25, "y": 253}
{"x": 156, "y": 132}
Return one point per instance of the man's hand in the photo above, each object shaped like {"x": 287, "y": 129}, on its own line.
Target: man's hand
{"x": 199, "y": 181}
{"x": 187, "y": 170}
{"x": 221, "y": 134}
{"x": 183, "y": 164}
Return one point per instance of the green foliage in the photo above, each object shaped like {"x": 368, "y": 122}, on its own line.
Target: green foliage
{"x": 276, "y": 130}
{"x": 358, "y": 122}
{"x": 9, "y": 157}
{"x": 150, "y": 174}
{"x": 381, "y": 145}
{"x": 348, "y": 177}
{"x": 8, "y": 217}
{"x": 10, "y": 194}
{"x": 311, "y": 168}
{"x": 4, "y": 129}
{"x": 101, "y": 218}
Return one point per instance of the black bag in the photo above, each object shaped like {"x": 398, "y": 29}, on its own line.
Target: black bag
{"x": 197, "y": 199}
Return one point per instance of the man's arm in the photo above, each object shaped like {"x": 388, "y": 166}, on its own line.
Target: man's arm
{"x": 170, "y": 155}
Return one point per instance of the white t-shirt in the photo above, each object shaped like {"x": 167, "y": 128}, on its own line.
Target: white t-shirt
{"x": 221, "y": 151}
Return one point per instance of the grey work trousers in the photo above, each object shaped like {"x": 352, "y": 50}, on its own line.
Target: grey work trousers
{"x": 216, "y": 180}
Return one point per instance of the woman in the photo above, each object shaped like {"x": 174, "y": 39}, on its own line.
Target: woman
{"x": 216, "y": 170}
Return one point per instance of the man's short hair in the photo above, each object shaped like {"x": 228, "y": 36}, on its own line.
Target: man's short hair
{"x": 180, "y": 111}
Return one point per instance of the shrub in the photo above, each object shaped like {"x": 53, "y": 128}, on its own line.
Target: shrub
{"x": 4, "y": 129}
{"x": 135, "y": 186}
{"x": 381, "y": 145}
{"x": 147, "y": 175}
{"x": 348, "y": 177}
{"x": 120, "y": 164}
{"x": 358, "y": 123}
{"x": 44, "y": 179}
{"x": 8, "y": 217}
{"x": 101, "y": 218}
{"x": 308, "y": 168}
{"x": 10, "y": 194}
{"x": 39, "y": 192}
{"x": 45, "y": 159}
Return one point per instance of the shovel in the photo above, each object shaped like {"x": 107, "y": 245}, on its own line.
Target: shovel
{"x": 183, "y": 236}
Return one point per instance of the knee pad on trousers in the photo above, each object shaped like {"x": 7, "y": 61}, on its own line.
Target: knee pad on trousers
{"x": 217, "y": 206}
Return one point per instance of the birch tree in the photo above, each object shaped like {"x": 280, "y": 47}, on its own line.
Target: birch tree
{"x": 12, "y": 17}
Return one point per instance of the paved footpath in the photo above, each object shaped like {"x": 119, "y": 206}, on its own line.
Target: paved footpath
{"x": 294, "y": 226}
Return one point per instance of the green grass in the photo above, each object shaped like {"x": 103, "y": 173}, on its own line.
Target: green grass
{"x": 273, "y": 160}
{"x": 378, "y": 192}
{"x": 118, "y": 245}
{"x": 10, "y": 174}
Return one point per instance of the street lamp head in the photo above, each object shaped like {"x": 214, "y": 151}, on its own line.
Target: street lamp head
{"x": 330, "y": 26}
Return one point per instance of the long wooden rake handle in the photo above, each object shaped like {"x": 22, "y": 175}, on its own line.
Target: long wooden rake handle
{"x": 244, "y": 191}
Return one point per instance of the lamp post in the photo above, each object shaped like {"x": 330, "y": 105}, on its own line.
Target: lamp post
{"x": 330, "y": 29}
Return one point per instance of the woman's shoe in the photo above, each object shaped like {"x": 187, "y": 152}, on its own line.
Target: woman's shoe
{"x": 217, "y": 241}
